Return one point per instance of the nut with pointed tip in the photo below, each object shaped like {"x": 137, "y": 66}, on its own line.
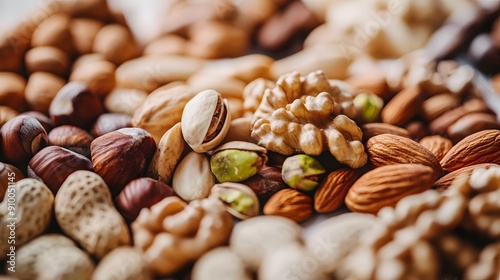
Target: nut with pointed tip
{"x": 110, "y": 122}
{"x": 122, "y": 156}
{"x": 72, "y": 138}
{"x": 22, "y": 137}
{"x": 291, "y": 204}
{"x": 240, "y": 200}
{"x": 302, "y": 172}
{"x": 236, "y": 161}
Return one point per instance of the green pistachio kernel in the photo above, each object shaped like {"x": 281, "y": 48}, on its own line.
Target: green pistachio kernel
{"x": 237, "y": 200}
{"x": 369, "y": 105}
{"x": 302, "y": 172}
{"x": 235, "y": 165}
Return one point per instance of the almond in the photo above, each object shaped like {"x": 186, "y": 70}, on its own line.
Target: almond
{"x": 471, "y": 123}
{"x": 372, "y": 82}
{"x": 291, "y": 204}
{"x": 438, "y": 145}
{"x": 404, "y": 106}
{"x": 480, "y": 147}
{"x": 436, "y": 105}
{"x": 373, "y": 129}
{"x": 331, "y": 192}
{"x": 386, "y": 185}
{"x": 444, "y": 182}
{"x": 441, "y": 123}
{"x": 387, "y": 149}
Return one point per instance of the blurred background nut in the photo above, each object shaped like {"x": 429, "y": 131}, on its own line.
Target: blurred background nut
{"x": 239, "y": 130}
{"x": 99, "y": 76}
{"x": 239, "y": 199}
{"x": 54, "y": 32}
{"x": 166, "y": 44}
{"x": 220, "y": 263}
{"x": 122, "y": 156}
{"x": 124, "y": 101}
{"x": 12, "y": 88}
{"x": 470, "y": 124}
{"x": 110, "y": 122}
{"x": 141, "y": 193}
{"x": 47, "y": 59}
{"x": 74, "y": 104}
{"x": 53, "y": 164}
{"x": 86, "y": 58}
{"x": 374, "y": 129}
{"x": 6, "y": 114}
{"x": 42, "y": 87}
{"x": 188, "y": 186}
{"x": 83, "y": 32}
{"x": 72, "y": 138}
{"x": 116, "y": 43}
{"x": 8, "y": 173}
{"x": 22, "y": 138}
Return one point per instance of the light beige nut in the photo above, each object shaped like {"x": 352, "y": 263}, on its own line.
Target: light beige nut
{"x": 7, "y": 113}
{"x": 220, "y": 263}
{"x": 85, "y": 212}
{"x": 438, "y": 145}
{"x": 83, "y": 31}
{"x": 12, "y": 88}
{"x": 124, "y": 100}
{"x": 122, "y": 263}
{"x": 262, "y": 236}
{"x": 307, "y": 114}
{"x": 52, "y": 256}
{"x": 239, "y": 130}
{"x": 253, "y": 93}
{"x": 486, "y": 266}
{"x": 167, "y": 155}
{"x": 228, "y": 87}
{"x": 47, "y": 59}
{"x": 188, "y": 186}
{"x": 172, "y": 234}
{"x": 205, "y": 121}
{"x": 42, "y": 87}
{"x": 25, "y": 212}
{"x": 98, "y": 75}
{"x": 116, "y": 43}
{"x": 162, "y": 109}
{"x": 54, "y": 31}
{"x": 165, "y": 45}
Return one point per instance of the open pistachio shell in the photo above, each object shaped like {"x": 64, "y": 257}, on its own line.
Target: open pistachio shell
{"x": 240, "y": 200}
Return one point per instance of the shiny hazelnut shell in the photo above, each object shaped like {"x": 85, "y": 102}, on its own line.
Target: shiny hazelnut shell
{"x": 72, "y": 138}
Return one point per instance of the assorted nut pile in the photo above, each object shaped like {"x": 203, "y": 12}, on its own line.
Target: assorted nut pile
{"x": 190, "y": 157}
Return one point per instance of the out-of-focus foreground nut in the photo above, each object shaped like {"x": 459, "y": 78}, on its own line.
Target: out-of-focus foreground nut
{"x": 121, "y": 156}
{"x": 220, "y": 263}
{"x": 188, "y": 186}
{"x": 84, "y": 210}
{"x": 171, "y": 234}
{"x": 33, "y": 203}
{"x": 54, "y": 164}
{"x": 52, "y": 256}
{"x": 122, "y": 263}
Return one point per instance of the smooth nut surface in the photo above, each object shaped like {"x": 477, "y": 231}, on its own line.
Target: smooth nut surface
{"x": 240, "y": 200}
{"x": 192, "y": 178}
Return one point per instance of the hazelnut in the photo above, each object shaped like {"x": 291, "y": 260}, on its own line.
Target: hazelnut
{"x": 6, "y": 114}
{"x": 12, "y": 88}
{"x": 83, "y": 31}
{"x": 46, "y": 122}
{"x": 22, "y": 137}
{"x": 54, "y": 164}
{"x": 122, "y": 156}
{"x": 8, "y": 174}
{"x": 47, "y": 59}
{"x": 75, "y": 105}
{"x": 266, "y": 182}
{"x": 116, "y": 43}
{"x": 72, "y": 138}
{"x": 54, "y": 31}
{"x": 98, "y": 75}
{"x": 42, "y": 87}
{"x": 141, "y": 193}
{"x": 110, "y": 122}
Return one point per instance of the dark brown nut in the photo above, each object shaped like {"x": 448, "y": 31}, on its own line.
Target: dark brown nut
{"x": 110, "y": 122}
{"x": 46, "y": 122}
{"x": 9, "y": 174}
{"x": 291, "y": 204}
{"x": 470, "y": 124}
{"x": 10, "y": 54}
{"x": 53, "y": 164}
{"x": 116, "y": 43}
{"x": 436, "y": 105}
{"x": 124, "y": 100}
{"x": 266, "y": 182}
{"x": 72, "y": 138}
{"x": 75, "y": 105}
{"x": 22, "y": 137}
{"x": 47, "y": 59}
{"x": 402, "y": 107}
{"x": 83, "y": 31}
{"x": 42, "y": 87}
{"x": 98, "y": 75}
{"x": 166, "y": 44}
{"x": 6, "y": 114}
{"x": 122, "y": 156}
{"x": 12, "y": 88}
{"x": 141, "y": 193}
{"x": 483, "y": 54}
{"x": 54, "y": 31}
{"x": 417, "y": 130}
{"x": 374, "y": 129}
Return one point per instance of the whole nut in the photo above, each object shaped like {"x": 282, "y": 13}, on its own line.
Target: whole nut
{"x": 402, "y": 107}
{"x": 291, "y": 204}
{"x": 109, "y": 122}
{"x": 141, "y": 193}
{"x": 98, "y": 75}
{"x": 436, "y": 105}
{"x": 124, "y": 100}
{"x": 368, "y": 106}
{"x": 437, "y": 144}
{"x": 85, "y": 212}
{"x": 240, "y": 200}
{"x": 116, "y": 43}
{"x": 12, "y": 88}
{"x": 83, "y": 32}
{"x": 75, "y": 105}
{"x": 47, "y": 59}
{"x": 188, "y": 186}
{"x": 54, "y": 31}
{"x": 266, "y": 182}
{"x": 122, "y": 156}
{"x": 374, "y": 129}
{"x": 239, "y": 130}
{"x": 6, "y": 114}
{"x": 22, "y": 137}
{"x": 444, "y": 182}
{"x": 470, "y": 124}
{"x": 72, "y": 138}
{"x": 236, "y": 161}
{"x": 42, "y": 87}
{"x": 205, "y": 121}
{"x": 44, "y": 120}
{"x": 8, "y": 173}
{"x": 220, "y": 263}
{"x": 123, "y": 263}
{"x": 331, "y": 192}
{"x": 302, "y": 172}
{"x": 53, "y": 164}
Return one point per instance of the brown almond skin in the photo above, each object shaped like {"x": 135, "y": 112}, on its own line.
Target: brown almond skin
{"x": 387, "y": 149}
{"x": 373, "y": 82}
{"x": 373, "y": 129}
{"x": 470, "y": 124}
{"x": 402, "y": 107}
{"x": 291, "y": 204}
{"x": 437, "y": 144}
{"x": 480, "y": 147}
{"x": 331, "y": 192}
{"x": 386, "y": 185}
{"x": 444, "y": 182}
{"x": 441, "y": 123}
{"x": 436, "y": 105}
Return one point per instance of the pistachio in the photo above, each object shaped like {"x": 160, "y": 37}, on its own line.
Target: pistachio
{"x": 192, "y": 178}
{"x": 368, "y": 106}
{"x": 302, "y": 172}
{"x": 240, "y": 200}
{"x": 236, "y": 161}
{"x": 205, "y": 121}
